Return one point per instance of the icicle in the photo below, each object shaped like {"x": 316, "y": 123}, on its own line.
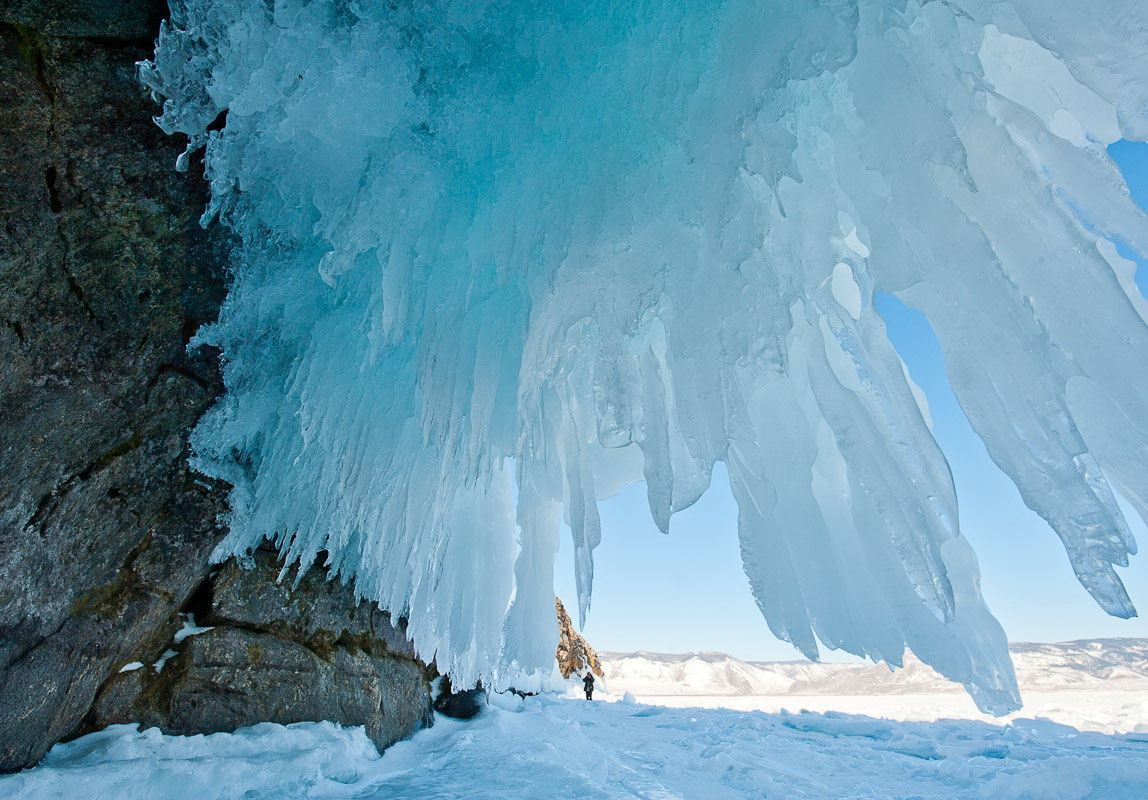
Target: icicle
{"x": 598, "y": 241}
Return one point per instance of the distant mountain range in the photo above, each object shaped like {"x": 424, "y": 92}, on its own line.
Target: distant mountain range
{"x": 1099, "y": 664}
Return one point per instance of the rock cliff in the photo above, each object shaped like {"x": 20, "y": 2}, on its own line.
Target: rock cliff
{"x": 275, "y": 653}
{"x": 105, "y": 533}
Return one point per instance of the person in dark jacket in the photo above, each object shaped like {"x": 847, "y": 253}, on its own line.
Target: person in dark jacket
{"x": 588, "y": 682}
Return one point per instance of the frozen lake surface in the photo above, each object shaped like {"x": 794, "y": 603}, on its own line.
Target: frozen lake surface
{"x": 551, "y": 747}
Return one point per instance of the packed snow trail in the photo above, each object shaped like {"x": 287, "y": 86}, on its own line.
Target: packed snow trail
{"x": 545, "y": 748}
{"x": 500, "y": 258}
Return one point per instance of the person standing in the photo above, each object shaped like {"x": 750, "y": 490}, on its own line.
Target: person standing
{"x": 588, "y": 683}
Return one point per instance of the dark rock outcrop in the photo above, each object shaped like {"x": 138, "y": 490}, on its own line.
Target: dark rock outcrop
{"x": 461, "y": 704}
{"x": 104, "y": 274}
{"x": 105, "y": 533}
{"x": 277, "y": 654}
{"x": 115, "y": 20}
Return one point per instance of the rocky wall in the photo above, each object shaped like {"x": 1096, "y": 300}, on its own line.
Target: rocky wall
{"x": 105, "y": 533}
{"x": 275, "y": 652}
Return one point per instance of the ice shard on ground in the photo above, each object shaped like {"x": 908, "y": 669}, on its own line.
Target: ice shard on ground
{"x": 500, "y": 258}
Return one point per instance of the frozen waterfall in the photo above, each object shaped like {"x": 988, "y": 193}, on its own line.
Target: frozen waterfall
{"x": 500, "y": 258}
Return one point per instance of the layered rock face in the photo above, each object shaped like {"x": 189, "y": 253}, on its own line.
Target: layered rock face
{"x": 104, "y": 274}
{"x": 105, "y": 534}
{"x": 276, "y": 654}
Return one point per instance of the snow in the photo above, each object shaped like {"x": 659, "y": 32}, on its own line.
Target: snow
{"x": 499, "y": 259}
{"x": 167, "y": 655}
{"x": 1082, "y": 734}
{"x": 189, "y": 628}
{"x": 1110, "y": 666}
{"x": 550, "y": 748}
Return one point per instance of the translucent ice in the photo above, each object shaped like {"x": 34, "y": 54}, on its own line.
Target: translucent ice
{"x": 501, "y": 258}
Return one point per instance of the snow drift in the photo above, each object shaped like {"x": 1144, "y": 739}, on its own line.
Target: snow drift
{"x": 501, "y": 258}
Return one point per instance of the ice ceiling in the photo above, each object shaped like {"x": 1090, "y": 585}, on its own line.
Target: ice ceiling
{"x": 502, "y": 258}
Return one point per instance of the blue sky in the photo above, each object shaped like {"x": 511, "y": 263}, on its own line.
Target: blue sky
{"x": 687, "y": 591}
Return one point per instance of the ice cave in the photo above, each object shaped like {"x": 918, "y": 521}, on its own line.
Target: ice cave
{"x": 499, "y": 259}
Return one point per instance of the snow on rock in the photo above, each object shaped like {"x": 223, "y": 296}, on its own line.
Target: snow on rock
{"x": 502, "y": 258}
{"x": 189, "y": 628}
{"x": 691, "y": 674}
{"x": 543, "y": 747}
{"x": 163, "y": 659}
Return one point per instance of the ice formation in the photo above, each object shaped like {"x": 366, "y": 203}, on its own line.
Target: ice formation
{"x": 500, "y": 258}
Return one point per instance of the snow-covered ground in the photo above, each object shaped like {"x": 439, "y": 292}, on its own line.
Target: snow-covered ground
{"x": 1083, "y": 733}
{"x": 552, "y": 748}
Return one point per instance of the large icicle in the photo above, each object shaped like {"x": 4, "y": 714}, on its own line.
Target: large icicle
{"x": 501, "y": 258}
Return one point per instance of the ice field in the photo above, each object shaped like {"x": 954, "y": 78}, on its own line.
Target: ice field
{"x": 554, "y": 748}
